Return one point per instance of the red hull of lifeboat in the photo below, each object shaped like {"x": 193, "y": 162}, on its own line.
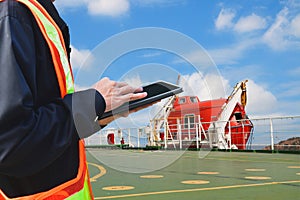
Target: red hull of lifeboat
{"x": 193, "y": 117}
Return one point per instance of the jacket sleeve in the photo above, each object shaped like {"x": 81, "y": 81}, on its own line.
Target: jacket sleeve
{"x": 32, "y": 136}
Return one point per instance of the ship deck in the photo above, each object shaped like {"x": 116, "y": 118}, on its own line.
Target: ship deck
{"x": 217, "y": 175}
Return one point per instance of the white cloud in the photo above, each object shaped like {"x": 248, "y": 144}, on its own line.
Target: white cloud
{"x": 69, "y": 3}
{"x": 274, "y": 36}
{"x": 108, "y": 7}
{"x": 134, "y": 81}
{"x": 260, "y": 100}
{"x": 294, "y": 4}
{"x": 226, "y": 56}
{"x": 158, "y": 2}
{"x": 295, "y": 26}
{"x": 199, "y": 58}
{"x": 250, "y": 23}
{"x": 284, "y": 33}
{"x": 210, "y": 86}
{"x": 280, "y": 33}
{"x": 112, "y": 8}
{"x": 224, "y": 19}
{"x": 78, "y": 57}
{"x": 230, "y": 55}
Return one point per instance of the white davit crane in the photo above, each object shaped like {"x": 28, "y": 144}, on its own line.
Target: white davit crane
{"x": 160, "y": 119}
{"x": 216, "y": 129}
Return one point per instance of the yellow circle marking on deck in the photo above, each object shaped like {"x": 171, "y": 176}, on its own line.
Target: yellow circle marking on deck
{"x": 208, "y": 173}
{"x": 258, "y": 177}
{"x": 118, "y": 188}
{"x": 152, "y": 176}
{"x": 255, "y": 170}
{"x": 195, "y": 182}
{"x": 294, "y": 167}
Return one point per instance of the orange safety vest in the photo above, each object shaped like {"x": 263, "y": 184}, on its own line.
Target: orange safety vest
{"x": 79, "y": 187}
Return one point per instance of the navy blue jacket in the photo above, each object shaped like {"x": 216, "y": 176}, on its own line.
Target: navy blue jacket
{"x": 38, "y": 135}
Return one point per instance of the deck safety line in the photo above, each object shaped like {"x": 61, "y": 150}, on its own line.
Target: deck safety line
{"x": 258, "y": 161}
{"x": 101, "y": 169}
{"x": 196, "y": 189}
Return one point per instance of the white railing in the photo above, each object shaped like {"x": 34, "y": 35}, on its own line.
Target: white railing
{"x": 134, "y": 137}
{"x": 268, "y": 132}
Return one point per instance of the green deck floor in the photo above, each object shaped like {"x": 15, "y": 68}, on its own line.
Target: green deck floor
{"x": 220, "y": 175}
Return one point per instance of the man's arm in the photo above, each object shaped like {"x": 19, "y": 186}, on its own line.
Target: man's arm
{"x": 32, "y": 136}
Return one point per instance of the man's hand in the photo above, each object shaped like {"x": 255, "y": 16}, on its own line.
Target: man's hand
{"x": 116, "y": 94}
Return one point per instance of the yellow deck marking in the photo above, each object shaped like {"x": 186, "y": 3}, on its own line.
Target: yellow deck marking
{"x": 294, "y": 167}
{"x": 195, "y": 182}
{"x": 257, "y": 161}
{"x": 298, "y": 174}
{"x": 257, "y": 177}
{"x": 118, "y": 188}
{"x": 255, "y": 170}
{"x": 152, "y": 176}
{"x": 101, "y": 169}
{"x": 209, "y": 173}
{"x": 196, "y": 189}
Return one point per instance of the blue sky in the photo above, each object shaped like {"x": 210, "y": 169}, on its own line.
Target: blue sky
{"x": 255, "y": 40}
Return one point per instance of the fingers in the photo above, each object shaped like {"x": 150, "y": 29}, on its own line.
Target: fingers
{"x": 139, "y": 89}
{"x": 116, "y": 94}
{"x": 124, "y": 88}
{"x": 120, "y": 84}
{"x": 130, "y": 93}
{"x": 136, "y": 96}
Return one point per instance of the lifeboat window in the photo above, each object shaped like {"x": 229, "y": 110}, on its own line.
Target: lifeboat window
{"x": 238, "y": 116}
{"x": 194, "y": 99}
{"x": 181, "y": 100}
{"x": 189, "y": 121}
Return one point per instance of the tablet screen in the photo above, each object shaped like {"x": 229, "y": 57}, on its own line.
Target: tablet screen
{"x": 156, "y": 89}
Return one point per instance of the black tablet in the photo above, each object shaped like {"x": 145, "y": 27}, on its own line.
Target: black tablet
{"x": 156, "y": 91}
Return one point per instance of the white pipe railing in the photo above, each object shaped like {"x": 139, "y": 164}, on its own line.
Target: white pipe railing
{"x": 268, "y": 132}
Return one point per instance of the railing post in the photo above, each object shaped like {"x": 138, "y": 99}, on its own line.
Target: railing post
{"x": 197, "y": 137}
{"x": 138, "y": 137}
{"x": 179, "y": 133}
{"x": 272, "y": 134}
{"x": 189, "y": 130}
{"x": 199, "y": 130}
{"x": 165, "y": 129}
{"x": 129, "y": 142}
{"x": 243, "y": 128}
{"x": 229, "y": 133}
